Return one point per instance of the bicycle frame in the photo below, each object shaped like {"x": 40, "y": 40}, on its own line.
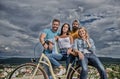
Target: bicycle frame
{"x": 48, "y": 63}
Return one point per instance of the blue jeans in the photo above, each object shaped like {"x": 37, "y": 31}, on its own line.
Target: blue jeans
{"x": 94, "y": 61}
{"x": 54, "y": 58}
{"x": 54, "y": 61}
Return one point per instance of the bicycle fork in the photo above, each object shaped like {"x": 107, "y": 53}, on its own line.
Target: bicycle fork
{"x": 47, "y": 63}
{"x": 35, "y": 71}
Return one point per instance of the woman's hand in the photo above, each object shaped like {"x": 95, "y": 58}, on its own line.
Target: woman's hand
{"x": 88, "y": 42}
{"x": 56, "y": 38}
{"x": 81, "y": 56}
{"x": 69, "y": 51}
{"x": 45, "y": 46}
{"x": 78, "y": 53}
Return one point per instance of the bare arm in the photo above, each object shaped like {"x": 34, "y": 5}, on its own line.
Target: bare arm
{"x": 81, "y": 56}
{"x": 71, "y": 40}
{"x": 42, "y": 40}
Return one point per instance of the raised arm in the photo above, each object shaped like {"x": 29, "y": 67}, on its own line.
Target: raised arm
{"x": 93, "y": 48}
{"x": 42, "y": 40}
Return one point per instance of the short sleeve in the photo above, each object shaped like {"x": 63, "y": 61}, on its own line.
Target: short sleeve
{"x": 58, "y": 33}
{"x": 45, "y": 31}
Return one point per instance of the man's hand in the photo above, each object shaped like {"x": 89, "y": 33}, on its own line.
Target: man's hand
{"x": 45, "y": 46}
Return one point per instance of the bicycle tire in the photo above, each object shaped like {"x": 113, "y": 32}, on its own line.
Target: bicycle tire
{"x": 24, "y": 71}
{"x": 92, "y": 73}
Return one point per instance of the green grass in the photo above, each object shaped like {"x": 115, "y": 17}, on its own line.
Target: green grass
{"x": 113, "y": 71}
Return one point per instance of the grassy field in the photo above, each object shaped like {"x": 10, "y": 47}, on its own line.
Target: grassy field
{"x": 113, "y": 71}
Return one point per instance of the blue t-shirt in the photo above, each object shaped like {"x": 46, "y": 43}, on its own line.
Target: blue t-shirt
{"x": 50, "y": 35}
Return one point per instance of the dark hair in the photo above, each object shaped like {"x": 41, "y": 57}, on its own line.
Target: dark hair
{"x": 68, "y": 29}
{"x": 76, "y": 21}
{"x": 56, "y": 20}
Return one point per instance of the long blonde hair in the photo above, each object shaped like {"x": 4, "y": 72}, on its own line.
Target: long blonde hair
{"x": 86, "y": 35}
{"x": 86, "y": 32}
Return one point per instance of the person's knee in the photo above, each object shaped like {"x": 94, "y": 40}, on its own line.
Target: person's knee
{"x": 49, "y": 56}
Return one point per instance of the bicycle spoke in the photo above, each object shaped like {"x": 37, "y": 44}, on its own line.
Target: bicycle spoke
{"x": 26, "y": 72}
{"x": 92, "y": 73}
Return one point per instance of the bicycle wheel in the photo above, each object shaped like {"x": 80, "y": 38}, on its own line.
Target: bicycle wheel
{"x": 25, "y": 71}
{"x": 92, "y": 73}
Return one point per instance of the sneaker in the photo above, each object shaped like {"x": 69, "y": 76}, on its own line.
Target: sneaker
{"x": 61, "y": 72}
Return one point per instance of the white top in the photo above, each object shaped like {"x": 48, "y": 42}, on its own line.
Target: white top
{"x": 64, "y": 42}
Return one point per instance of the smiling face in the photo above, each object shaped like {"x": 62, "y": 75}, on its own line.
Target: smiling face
{"x": 55, "y": 25}
{"x": 82, "y": 33}
{"x": 75, "y": 25}
{"x": 65, "y": 28}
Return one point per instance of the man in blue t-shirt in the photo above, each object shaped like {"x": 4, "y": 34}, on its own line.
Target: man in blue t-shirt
{"x": 47, "y": 36}
{"x": 46, "y": 39}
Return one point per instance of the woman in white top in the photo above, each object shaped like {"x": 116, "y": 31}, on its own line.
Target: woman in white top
{"x": 65, "y": 42}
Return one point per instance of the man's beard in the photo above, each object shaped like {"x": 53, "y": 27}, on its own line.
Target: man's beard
{"x": 74, "y": 28}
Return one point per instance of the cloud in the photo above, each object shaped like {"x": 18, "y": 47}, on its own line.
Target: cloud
{"x": 21, "y": 22}
{"x": 9, "y": 25}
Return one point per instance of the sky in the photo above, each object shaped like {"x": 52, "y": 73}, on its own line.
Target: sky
{"x": 22, "y": 21}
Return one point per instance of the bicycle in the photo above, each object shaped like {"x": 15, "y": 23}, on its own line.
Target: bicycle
{"x": 36, "y": 71}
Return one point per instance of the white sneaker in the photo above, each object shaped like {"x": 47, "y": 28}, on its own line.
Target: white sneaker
{"x": 61, "y": 72}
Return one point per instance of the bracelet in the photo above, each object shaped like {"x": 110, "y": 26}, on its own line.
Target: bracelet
{"x": 43, "y": 44}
